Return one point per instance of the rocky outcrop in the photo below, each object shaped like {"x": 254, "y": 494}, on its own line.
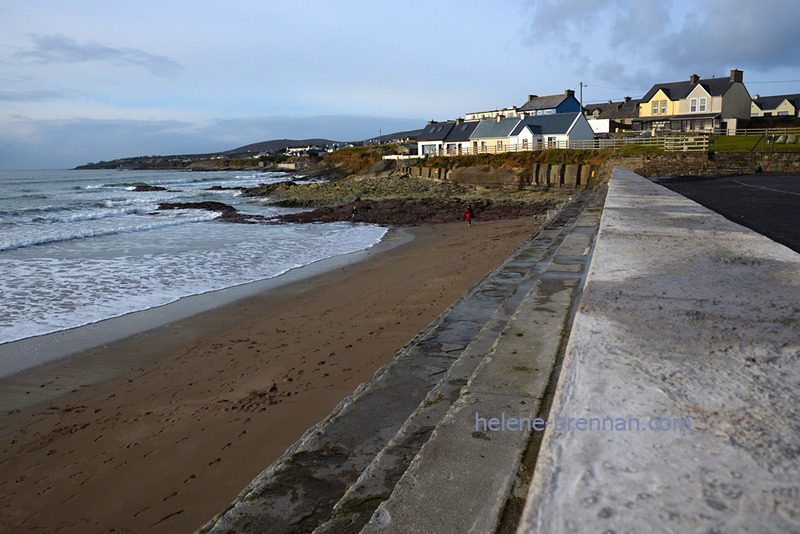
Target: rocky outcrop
{"x": 146, "y": 187}
{"x": 208, "y": 205}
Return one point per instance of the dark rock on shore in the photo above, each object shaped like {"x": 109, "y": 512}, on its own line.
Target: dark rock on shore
{"x": 397, "y": 212}
{"x": 146, "y": 187}
{"x": 224, "y": 209}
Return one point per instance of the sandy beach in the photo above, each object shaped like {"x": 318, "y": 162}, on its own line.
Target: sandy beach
{"x": 194, "y": 410}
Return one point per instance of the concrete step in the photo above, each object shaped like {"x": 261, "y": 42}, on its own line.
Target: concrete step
{"x": 462, "y": 477}
{"x": 377, "y": 482}
{"x": 299, "y": 490}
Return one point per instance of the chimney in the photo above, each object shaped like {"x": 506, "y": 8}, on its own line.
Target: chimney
{"x": 694, "y": 78}
{"x": 756, "y": 97}
{"x": 569, "y": 92}
{"x": 627, "y": 99}
{"x": 531, "y": 97}
{"x": 431, "y": 121}
{"x": 610, "y": 102}
{"x": 499, "y": 117}
{"x": 737, "y": 75}
{"x": 459, "y": 120}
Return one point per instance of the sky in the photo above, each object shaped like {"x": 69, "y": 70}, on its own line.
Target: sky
{"x": 84, "y": 81}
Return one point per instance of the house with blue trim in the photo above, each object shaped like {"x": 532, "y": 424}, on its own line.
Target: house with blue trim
{"x": 550, "y": 105}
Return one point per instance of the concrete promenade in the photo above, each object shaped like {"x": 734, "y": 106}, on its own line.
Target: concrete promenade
{"x": 655, "y": 346}
{"x": 685, "y": 317}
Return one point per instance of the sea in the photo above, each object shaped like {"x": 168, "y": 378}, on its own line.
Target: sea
{"x": 81, "y": 246}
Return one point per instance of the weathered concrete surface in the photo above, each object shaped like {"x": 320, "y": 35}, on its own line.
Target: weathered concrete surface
{"x": 688, "y": 316}
{"x": 298, "y": 492}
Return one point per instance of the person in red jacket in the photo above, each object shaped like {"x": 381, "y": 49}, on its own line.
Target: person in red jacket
{"x": 468, "y": 215}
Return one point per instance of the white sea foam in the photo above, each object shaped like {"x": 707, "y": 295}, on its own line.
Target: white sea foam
{"x": 80, "y": 247}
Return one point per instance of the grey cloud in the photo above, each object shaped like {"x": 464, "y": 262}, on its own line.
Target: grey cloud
{"x": 60, "y": 49}
{"x": 36, "y": 95}
{"x": 649, "y": 42}
{"x": 723, "y": 35}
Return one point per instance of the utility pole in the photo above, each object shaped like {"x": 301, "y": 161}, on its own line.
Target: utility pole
{"x": 582, "y": 86}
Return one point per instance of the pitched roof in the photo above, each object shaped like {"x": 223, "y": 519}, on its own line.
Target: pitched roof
{"x": 461, "y": 131}
{"x": 491, "y": 128}
{"x": 436, "y": 131}
{"x": 680, "y": 90}
{"x": 614, "y": 110}
{"x": 772, "y": 102}
{"x": 557, "y": 123}
{"x": 543, "y": 102}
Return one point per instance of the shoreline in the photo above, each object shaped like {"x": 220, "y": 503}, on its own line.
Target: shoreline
{"x": 49, "y": 348}
{"x": 201, "y": 406}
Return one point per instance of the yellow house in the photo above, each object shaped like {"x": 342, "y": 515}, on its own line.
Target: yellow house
{"x": 695, "y": 105}
{"x": 775, "y": 106}
{"x": 660, "y": 104}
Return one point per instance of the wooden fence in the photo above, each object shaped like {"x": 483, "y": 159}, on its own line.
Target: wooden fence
{"x": 685, "y": 143}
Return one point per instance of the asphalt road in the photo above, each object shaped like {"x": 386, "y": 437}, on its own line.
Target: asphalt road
{"x": 766, "y": 203}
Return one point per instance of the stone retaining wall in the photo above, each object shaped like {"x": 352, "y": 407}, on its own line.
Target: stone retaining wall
{"x": 540, "y": 175}
{"x": 582, "y": 176}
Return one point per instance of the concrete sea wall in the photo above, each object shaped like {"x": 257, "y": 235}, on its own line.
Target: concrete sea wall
{"x": 581, "y": 176}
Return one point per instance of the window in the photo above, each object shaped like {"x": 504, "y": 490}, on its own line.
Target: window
{"x": 693, "y": 105}
{"x": 663, "y": 107}
{"x": 483, "y": 145}
{"x": 702, "y": 104}
{"x": 783, "y": 113}
{"x": 655, "y": 108}
{"x": 499, "y": 145}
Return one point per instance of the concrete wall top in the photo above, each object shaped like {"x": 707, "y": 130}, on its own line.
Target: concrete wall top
{"x": 686, "y": 345}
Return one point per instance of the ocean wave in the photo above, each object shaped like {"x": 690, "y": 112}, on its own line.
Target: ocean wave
{"x": 91, "y": 216}
{"x": 44, "y": 239}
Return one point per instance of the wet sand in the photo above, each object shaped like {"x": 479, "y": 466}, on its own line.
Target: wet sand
{"x": 191, "y": 412}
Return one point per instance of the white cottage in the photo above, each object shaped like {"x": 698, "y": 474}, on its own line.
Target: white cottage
{"x": 550, "y": 131}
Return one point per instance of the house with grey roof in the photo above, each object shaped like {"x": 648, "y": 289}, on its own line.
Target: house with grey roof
{"x": 548, "y": 105}
{"x": 458, "y": 141}
{"x": 695, "y": 105}
{"x": 550, "y": 131}
{"x": 431, "y": 139}
{"x": 612, "y": 117}
{"x": 492, "y": 135}
{"x": 775, "y": 106}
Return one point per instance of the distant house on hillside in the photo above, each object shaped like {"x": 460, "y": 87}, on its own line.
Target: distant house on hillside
{"x": 548, "y": 105}
{"x": 612, "y": 117}
{"x": 775, "y": 106}
{"x": 510, "y": 111}
{"x": 550, "y": 131}
{"x": 708, "y": 104}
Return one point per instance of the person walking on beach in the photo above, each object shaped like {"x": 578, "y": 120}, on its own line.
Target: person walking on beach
{"x": 353, "y": 214}
{"x": 468, "y": 215}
